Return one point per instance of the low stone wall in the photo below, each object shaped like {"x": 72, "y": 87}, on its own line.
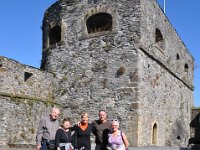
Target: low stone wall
{"x": 19, "y": 121}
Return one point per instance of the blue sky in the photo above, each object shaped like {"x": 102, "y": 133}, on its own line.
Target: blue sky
{"x": 21, "y": 36}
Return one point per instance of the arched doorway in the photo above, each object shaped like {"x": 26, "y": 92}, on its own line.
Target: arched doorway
{"x": 154, "y": 134}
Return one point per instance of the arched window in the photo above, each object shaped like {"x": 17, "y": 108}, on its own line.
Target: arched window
{"x": 177, "y": 56}
{"x": 154, "y": 135}
{"x": 99, "y": 22}
{"x": 55, "y": 35}
{"x": 158, "y": 36}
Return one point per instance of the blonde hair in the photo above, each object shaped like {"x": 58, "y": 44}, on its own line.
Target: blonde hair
{"x": 84, "y": 114}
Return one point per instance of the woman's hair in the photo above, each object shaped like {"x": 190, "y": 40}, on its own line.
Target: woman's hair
{"x": 84, "y": 114}
{"x": 66, "y": 119}
{"x": 115, "y": 121}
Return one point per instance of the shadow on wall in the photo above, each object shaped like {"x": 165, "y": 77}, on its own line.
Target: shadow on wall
{"x": 178, "y": 134}
{"x": 195, "y": 129}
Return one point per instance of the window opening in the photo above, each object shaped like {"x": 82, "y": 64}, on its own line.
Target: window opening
{"x": 27, "y": 75}
{"x": 178, "y": 137}
{"x": 99, "y": 22}
{"x": 177, "y": 56}
{"x": 186, "y": 67}
{"x": 55, "y": 35}
{"x": 159, "y": 36}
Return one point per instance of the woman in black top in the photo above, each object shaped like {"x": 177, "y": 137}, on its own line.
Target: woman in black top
{"x": 63, "y": 136}
{"x": 83, "y": 130}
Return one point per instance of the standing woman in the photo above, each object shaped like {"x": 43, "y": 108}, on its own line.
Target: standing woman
{"x": 63, "y": 136}
{"x": 117, "y": 140}
{"x": 83, "y": 131}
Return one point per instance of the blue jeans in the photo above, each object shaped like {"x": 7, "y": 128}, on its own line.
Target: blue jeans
{"x": 48, "y": 145}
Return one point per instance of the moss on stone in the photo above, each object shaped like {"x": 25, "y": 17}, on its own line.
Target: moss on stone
{"x": 30, "y": 100}
{"x": 32, "y": 130}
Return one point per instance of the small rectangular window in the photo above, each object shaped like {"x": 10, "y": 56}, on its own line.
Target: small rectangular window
{"x": 27, "y": 75}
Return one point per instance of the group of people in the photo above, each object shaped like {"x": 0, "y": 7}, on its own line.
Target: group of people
{"x": 53, "y": 136}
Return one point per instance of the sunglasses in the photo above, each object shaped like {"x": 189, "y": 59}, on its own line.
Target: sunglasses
{"x": 115, "y": 120}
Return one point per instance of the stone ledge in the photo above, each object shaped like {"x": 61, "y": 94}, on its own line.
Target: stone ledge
{"x": 18, "y": 147}
{"x": 20, "y": 98}
{"x": 125, "y": 90}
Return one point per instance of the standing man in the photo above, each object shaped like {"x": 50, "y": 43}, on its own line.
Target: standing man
{"x": 46, "y": 131}
{"x": 101, "y": 128}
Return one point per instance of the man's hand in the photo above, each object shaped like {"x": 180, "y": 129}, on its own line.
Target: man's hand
{"x": 58, "y": 148}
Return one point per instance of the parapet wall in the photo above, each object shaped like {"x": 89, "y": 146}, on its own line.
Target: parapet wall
{"x": 26, "y": 94}
{"x": 24, "y": 81}
{"x": 170, "y": 50}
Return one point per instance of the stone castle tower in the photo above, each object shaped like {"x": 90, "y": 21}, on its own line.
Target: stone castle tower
{"x": 121, "y": 56}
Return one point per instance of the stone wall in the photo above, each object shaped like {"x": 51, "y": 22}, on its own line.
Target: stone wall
{"x": 166, "y": 75}
{"x": 103, "y": 70}
{"x": 25, "y": 81}
{"x": 171, "y": 51}
{"x": 26, "y": 93}
{"x": 166, "y": 102}
{"x": 19, "y": 121}
{"x": 99, "y": 70}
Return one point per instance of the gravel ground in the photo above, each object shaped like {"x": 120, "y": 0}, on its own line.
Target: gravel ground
{"x": 159, "y": 148}
{"x": 131, "y": 148}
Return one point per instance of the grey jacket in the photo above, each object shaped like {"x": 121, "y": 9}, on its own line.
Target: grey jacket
{"x": 46, "y": 129}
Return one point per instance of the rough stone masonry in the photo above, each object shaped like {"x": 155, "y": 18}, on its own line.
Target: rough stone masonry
{"x": 121, "y": 56}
